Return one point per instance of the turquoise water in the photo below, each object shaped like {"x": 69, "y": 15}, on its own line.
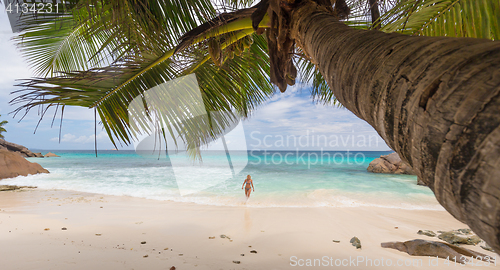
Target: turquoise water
{"x": 281, "y": 179}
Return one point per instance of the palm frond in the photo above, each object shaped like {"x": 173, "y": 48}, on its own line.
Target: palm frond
{"x": 240, "y": 84}
{"x": 320, "y": 91}
{"x": 187, "y": 40}
{"x": 95, "y": 33}
{"x": 156, "y": 24}
{"x": 360, "y": 16}
{"x": 236, "y": 4}
{"x": 218, "y": 94}
{"x": 2, "y": 129}
{"x": 453, "y": 18}
{"x": 224, "y": 23}
{"x": 60, "y": 46}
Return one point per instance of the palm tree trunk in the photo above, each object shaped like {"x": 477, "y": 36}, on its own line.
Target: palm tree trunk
{"x": 434, "y": 100}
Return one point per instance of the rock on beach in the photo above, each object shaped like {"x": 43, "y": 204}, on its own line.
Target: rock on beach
{"x": 13, "y": 164}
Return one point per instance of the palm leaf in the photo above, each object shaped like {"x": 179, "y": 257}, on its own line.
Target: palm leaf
{"x": 454, "y": 18}
{"x": 236, "y": 4}
{"x": 140, "y": 68}
{"x": 95, "y": 33}
{"x": 150, "y": 25}
{"x": 2, "y": 129}
{"x": 320, "y": 91}
{"x": 240, "y": 84}
{"x": 59, "y": 46}
{"x": 241, "y": 23}
{"x": 219, "y": 94}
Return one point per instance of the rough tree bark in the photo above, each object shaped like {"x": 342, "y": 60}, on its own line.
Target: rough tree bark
{"x": 434, "y": 100}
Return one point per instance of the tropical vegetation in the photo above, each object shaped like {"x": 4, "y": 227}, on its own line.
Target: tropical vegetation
{"x": 425, "y": 74}
{"x": 2, "y": 129}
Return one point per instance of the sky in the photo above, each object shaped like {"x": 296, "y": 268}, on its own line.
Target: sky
{"x": 288, "y": 121}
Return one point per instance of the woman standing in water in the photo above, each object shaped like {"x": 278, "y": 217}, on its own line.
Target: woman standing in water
{"x": 248, "y": 183}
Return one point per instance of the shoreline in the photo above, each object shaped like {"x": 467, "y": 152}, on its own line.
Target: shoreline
{"x": 242, "y": 203}
{"x": 106, "y": 232}
{"x": 330, "y": 198}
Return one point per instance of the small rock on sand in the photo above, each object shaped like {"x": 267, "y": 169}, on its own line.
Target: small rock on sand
{"x": 145, "y": 256}
{"x": 253, "y": 251}
{"x": 223, "y": 236}
{"x": 211, "y": 237}
{"x": 473, "y": 240}
{"x": 242, "y": 254}
{"x": 419, "y": 247}
{"x": 426, "y": 232}
{"x": 165, "y": 249}
{"x": 64, "y": 228}
{"x": 487, "y": 247}
{"x": 46, "y": 229}
{"x": 336, "y": 241}
{"x": 454, "y": 238}
{"x": 143, "y": 242}
{"x": 172, "y": 268}
{"x": 11, "y": 187}
{"x": 465, "y": 231}
{"x": 236, "y": 262}
{"x": 356, "y": 242}
{"x": 98, "y": 234}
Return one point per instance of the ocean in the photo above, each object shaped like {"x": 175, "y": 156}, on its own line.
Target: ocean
{"x": 281, "y": 178}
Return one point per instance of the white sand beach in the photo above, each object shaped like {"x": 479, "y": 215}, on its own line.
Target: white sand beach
{"x": 108, "y": 232}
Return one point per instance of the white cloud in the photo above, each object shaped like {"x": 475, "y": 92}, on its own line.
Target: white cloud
{"x": 68, "y": 137}
{"x": 79, "y": 113}
{"x": 297, "y": 115}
